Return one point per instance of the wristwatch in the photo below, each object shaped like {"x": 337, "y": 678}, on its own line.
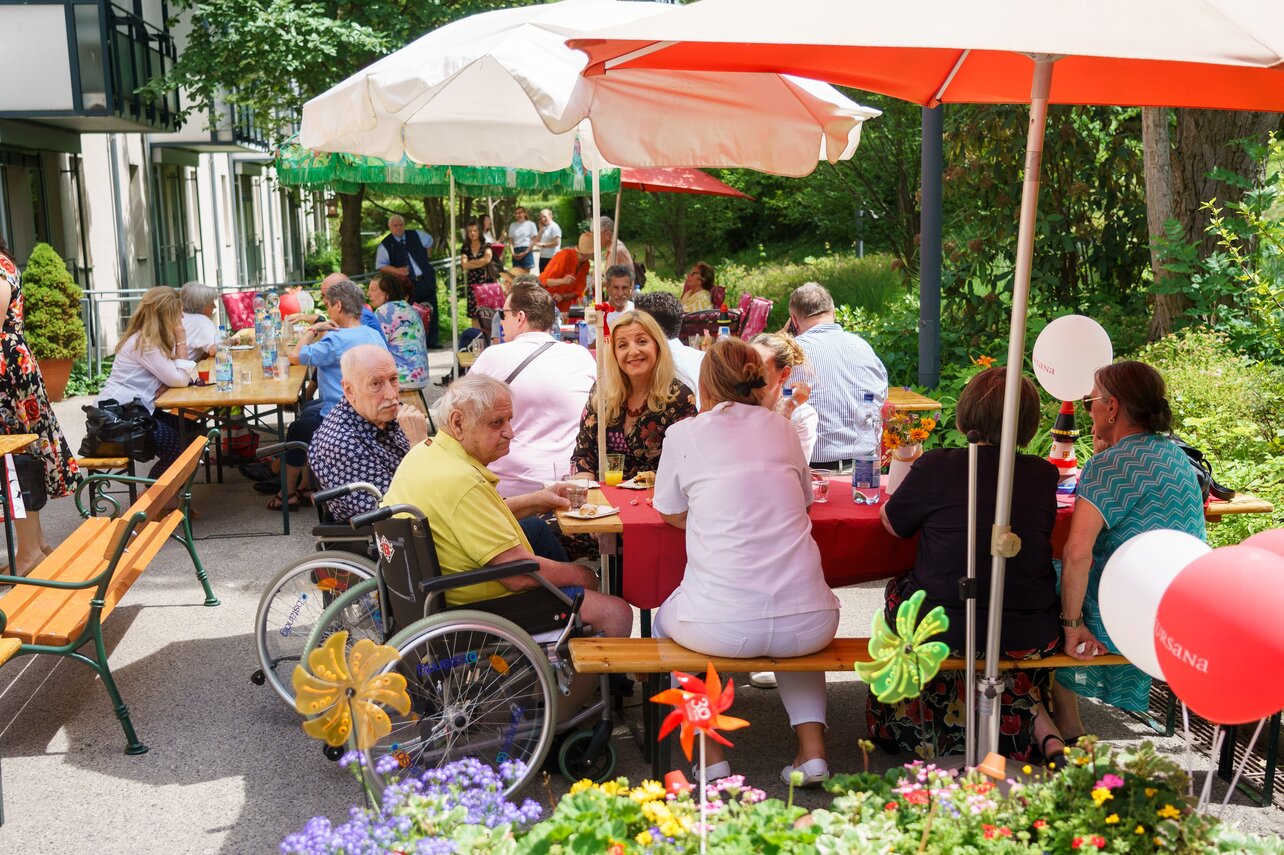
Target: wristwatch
{"x": 1071, "y": 624}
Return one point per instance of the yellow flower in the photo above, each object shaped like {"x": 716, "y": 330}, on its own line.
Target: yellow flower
{"x": 1150, "y": 792}
{"x": 1027, "y": 769}
{"x": 648, "y": 791}
{"x": 644, "y": 838}
{"x": 581, "y": 785}
{"x": 1101, "y": 795}
{"x": 891, "y": 440}
{"x": 657, "y": 812}
{"x": 613, "y": 788}
{"x": 1168, "y": 812}
{"x": 673, "y": 828}
{"x": 917, "y": 435}
{"x": 983, "y": 361}
{"x": 340, "y": 693}
{"x": 927, "y": 424}
{"x": 1112, "y": 819}
{"x": 1141, "y": 829}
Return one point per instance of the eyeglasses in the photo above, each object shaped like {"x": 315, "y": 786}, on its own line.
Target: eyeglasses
{"x": 508, "y": 311}
{"x": 1088, "y": 399}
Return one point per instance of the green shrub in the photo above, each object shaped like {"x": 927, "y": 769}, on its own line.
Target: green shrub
{"x": 1231, "y": 407}
{"x": 53, "y": 327}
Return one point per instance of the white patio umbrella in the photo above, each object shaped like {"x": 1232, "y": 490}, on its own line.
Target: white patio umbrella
{"x": 473, "y": 92}
{"x": 1225, "y": 54}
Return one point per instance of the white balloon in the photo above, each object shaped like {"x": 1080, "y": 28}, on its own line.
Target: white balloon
{"x": 1068, "y": 353}
{"x": 1132, "y": 584}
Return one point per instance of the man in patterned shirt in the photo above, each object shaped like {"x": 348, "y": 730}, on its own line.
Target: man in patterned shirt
{"x": 367, "y": 434}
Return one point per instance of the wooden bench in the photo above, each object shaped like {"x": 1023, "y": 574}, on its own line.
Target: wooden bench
{"x": 61, "y": 605}
{"x": 655, "y": 657}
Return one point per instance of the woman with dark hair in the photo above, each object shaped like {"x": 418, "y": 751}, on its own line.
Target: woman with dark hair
{"x": 753, "y": 584}
{"x": 25, "y": 408}
{"x": 932, "y": 503}
{"x": 476, "y": 263}
{"x": 696, "y": 290}
{"x": 1136, "y": 481}
{"x": 402, "y": 327}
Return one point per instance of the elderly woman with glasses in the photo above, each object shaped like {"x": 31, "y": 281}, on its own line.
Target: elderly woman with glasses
{"x": 1137, "y": 480}
{"x": 697, "y": 289}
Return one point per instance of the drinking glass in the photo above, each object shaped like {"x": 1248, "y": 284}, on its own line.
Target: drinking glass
{"x": 246, "y": 376}
{"x": 614, "y": 469}
{"x": 820, "y": 485}
{"x": 577, "y": 492}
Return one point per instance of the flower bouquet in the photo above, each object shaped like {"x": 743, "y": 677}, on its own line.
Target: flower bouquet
{"x": 903, "y": 436}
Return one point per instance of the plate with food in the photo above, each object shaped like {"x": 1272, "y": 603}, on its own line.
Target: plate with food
{"x": 640, "y": 481}
{"x": 591, "y": 512}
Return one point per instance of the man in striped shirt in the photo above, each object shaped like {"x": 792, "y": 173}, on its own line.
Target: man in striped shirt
{"x": 841, "y": 367}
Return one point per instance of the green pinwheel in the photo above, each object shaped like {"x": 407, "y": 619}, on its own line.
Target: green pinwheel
{"x": 903, "y": 661}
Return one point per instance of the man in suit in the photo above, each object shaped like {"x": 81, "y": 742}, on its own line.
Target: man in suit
{"x": 404, "y": 253}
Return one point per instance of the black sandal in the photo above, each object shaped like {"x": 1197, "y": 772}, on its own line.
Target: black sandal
{"x": 1043, "y": 748}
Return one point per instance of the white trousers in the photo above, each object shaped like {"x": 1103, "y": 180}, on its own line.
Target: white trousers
{"x": 802, "y": 692}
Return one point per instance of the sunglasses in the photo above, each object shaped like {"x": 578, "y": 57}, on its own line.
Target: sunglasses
{"x": 1088, "y": 399}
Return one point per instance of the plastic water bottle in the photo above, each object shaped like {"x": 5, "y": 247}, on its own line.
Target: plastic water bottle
{"x": 224, "y": 370}
{"x": 869, "y": 432}
{"x": 724, "y": 333}
{"x": 268, "y": 350}
{"x": 582, "y": 334}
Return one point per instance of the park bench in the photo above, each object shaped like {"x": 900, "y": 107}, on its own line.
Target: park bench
{"x": 111, "y": 466}
{"x": 656, "y": 657}
{"x": 60, "y": 607}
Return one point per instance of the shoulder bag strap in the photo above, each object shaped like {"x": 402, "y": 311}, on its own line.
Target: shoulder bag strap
{"x": 528, "y": 360}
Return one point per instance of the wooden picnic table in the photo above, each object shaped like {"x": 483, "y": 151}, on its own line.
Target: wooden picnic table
{"x": 9, "y": 444}
{"x": 278, "y": 392}
{"x": 904, "y": 399}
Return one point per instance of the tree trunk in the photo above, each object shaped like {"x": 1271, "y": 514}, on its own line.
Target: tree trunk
{"x": 436, "y": 222}
{"x": 351, "y": 260}
{"x": 1157, "y": 149}
{"x": 1203, "y": 141}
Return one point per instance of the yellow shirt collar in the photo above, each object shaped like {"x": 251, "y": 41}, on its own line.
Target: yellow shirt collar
{"x": 451, "y": 446}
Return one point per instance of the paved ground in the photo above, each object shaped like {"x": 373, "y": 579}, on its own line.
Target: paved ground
{"x": 230, "y": 770}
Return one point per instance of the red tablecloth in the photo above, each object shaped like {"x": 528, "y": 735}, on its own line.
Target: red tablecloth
{"x": 854, "y": 546}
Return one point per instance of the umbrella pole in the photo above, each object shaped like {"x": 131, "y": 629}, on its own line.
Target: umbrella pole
{"x": 1004, "y": 544}
{"x": 615, "y": 235}
{"x": 454, "y": 296}
{"x": 600, "y": 323}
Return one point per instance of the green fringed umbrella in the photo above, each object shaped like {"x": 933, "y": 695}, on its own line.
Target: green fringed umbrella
{"x": 297, "y": 166}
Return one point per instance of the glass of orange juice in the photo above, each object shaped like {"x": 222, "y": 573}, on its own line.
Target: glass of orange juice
{"x": 614, "y": 469}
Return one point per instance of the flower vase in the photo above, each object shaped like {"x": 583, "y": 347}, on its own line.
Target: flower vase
{"x": 902, "y": 459}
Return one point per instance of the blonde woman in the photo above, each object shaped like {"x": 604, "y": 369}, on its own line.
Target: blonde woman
{"x": 780, "y": 356}
{"x": 753, "y": 584}
{"x": 147, "y": 361}
{"x": 642, "y": 397}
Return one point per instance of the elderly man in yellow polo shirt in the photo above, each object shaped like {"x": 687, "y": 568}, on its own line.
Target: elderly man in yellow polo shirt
{"x": 471, "y": 524}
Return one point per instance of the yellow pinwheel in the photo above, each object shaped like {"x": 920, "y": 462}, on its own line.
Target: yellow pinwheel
{"x": 342, "y": 693}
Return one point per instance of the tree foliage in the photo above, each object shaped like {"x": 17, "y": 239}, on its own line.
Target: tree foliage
{"x": 53, "y": 327}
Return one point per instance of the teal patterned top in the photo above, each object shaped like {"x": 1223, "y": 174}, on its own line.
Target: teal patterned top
{"x": 1142, "y": 483}
{"x": 407, "y": 340}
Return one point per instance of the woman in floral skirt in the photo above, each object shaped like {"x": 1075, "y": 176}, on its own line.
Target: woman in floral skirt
{"x": 24, "y": 408}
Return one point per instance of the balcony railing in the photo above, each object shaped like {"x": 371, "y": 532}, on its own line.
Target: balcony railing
{"x": 140, "y": 53}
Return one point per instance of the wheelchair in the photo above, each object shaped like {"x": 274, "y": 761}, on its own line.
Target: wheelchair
{"x": 484, "y": 678}
{"x": 301, "y": 591}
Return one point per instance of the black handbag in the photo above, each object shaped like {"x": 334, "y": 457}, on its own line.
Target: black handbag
{"x": 113, "y": 429}
{"x": 1203, "y": 471}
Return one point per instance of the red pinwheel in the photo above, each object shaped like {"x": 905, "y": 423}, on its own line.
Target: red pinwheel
{"x": 699, "y": 705}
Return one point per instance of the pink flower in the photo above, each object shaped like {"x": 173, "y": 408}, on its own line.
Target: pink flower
{"x": 1110, "y": 782}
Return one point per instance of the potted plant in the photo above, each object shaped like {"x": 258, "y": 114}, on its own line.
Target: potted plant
{"x": 52, "y": 326}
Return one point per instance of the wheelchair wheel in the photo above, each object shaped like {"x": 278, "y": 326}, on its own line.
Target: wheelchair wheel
{"x": 479, "y": 687}
{"x": 575, "y": 764}
{"x": 290, "y": 608}
{"x": 357, "y": 610}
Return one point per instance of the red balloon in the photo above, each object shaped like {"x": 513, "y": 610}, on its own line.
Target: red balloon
{"x": 1271, "y": 540}
{"x": 1218, "y": 636}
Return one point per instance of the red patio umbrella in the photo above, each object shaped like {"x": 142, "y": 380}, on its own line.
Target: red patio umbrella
{"x": 676, "y": 179}
{"x": 1226, "y": 54}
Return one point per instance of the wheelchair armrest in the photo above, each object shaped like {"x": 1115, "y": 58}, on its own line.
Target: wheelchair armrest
{"x": 280, "y": 448}
{"x": 493, "y": 573}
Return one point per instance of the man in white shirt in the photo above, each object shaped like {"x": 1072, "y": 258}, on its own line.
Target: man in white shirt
{"x": 404, "y": 253}
{"x": 550, "y": 382}
{"x": 841, "y": 367}
{"x": 521, "y": 239}
{"x": 550, "y": 237}
{"x": 667, "y": 311}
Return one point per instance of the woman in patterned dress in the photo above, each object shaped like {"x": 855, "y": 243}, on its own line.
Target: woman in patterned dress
{"x": 1136, "y": 481}
{"x": 932, "y": 503}
{"x": 24, "y": 408}
{"x": 476, "y": 264}
{"x": 643, "y": 397}
{"x": 403, "y": 328}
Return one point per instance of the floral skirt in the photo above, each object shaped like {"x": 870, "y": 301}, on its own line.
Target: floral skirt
{"x": 931, "y": 725}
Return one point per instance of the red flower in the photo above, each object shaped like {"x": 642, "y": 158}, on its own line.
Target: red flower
{"x": 1010, "y": 725}
{"x": 890, "y": 806}
{"x": 31, "y": 410}
{"x": 1099, "y": 841}
{"x": 1040, "y": 823}
{"x": 1076, "y": 843}
{"x": 1021, "y": 683}
{"x": 615, "y": 849}
{"x": 982, "y": 788}
{"x": 989, "y": 831}
{"x": 1004, "y": 831}
{"x": 917, "y": 797}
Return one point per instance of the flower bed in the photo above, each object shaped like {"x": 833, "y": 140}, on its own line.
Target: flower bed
{"x": 1100, "y": 801}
